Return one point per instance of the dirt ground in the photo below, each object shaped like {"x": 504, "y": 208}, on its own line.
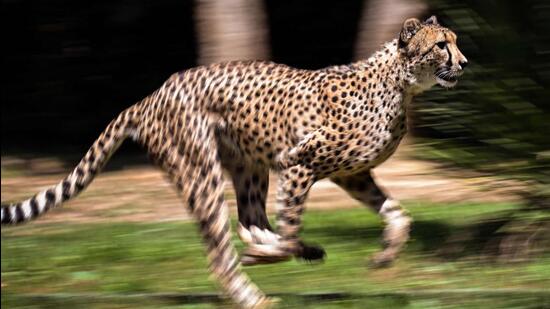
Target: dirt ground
{"x": 142, "y": 194}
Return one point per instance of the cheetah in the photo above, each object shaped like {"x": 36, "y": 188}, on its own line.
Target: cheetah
{"x": 248, "y": 118}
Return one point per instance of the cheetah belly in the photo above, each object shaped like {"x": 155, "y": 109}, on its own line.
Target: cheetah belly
{"x": 366, "y": 152}
{"x": 388, "y": 141}
{"x": 393, "y": 141}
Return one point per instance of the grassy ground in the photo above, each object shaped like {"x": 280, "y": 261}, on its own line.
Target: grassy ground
{"x": 116, "y": 261}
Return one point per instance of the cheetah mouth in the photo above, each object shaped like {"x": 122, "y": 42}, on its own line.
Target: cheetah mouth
{"x": 446, "y": 78}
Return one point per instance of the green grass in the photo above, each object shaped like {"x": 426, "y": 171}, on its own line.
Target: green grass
{"x": 119, "y": 259}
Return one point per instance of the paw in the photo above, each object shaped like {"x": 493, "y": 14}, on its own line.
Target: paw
{"x": 310, "y": 253}
{"x": 255, "y": 235}
{"x": 257, "y": 254}
{"x": 264, "y": 246}
{"x": 267, "y": 303}
{"x": 382, "y": 260}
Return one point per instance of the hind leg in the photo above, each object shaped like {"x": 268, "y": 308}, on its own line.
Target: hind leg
{"x": 192, "y": 163}
{"x": 210, "y": 210}
{"x": 294, "y": 184}
{"x": 362, "y": 187}
{"x": 251, "y": 184}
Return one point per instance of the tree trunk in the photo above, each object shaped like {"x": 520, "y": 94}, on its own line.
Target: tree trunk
{"x": 231, "y": 30}
{"x": 381, "y": 21}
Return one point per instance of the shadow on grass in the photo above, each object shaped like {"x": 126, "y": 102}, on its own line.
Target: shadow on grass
{"x": 504, "y": 237}
{"x": 397, "y": 299}
{"x": 500, "y": 236}
{"x": 426, "y": 236}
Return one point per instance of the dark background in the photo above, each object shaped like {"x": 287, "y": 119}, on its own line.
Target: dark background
{"x": 71, "y": 66}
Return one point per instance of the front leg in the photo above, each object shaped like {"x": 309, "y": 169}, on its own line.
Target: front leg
{"x": 294, "y": 184}
{"x": 362, "y": 187}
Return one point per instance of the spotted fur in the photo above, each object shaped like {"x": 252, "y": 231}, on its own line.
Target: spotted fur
{"x": 250, "y": 117}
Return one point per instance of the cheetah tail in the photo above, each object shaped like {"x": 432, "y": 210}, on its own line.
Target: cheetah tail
{"x": 79, "y": 178}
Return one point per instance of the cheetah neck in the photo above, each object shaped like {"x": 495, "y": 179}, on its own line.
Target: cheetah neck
{"x": 390, "y": 65}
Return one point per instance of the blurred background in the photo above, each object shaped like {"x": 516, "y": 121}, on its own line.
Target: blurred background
{"x": 474, "y": 171}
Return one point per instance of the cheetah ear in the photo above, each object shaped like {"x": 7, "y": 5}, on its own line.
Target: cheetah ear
{"x": 431, "y": 21}
{"x": 410, "y": 27}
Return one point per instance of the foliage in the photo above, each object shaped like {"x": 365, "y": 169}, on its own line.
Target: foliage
{"x": 497, "y": 120}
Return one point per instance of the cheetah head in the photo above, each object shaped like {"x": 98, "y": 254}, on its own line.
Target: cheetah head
{"x": 434, "y": 57}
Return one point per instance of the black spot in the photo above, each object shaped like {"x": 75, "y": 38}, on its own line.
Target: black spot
{"x": 79, "y": 172}
{"x": 34, "y": 207}
{"x": 66, "y": 190}
{"x": 191, "y": 202}
{"x": 243, "y": 199}
{"x": 253, "y": 199}
{"x": 6, "y": 214}
{"x": 19, "y": 216}
{"x": 50, "y": 197}
{"x": 79, "y": 186}
{"x": 214, "y": 182}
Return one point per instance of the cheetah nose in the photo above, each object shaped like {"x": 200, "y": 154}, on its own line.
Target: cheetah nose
{"x": 463, "y": 63}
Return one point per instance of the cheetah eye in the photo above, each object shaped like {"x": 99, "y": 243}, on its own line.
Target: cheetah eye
{"x": 441, "y": 45}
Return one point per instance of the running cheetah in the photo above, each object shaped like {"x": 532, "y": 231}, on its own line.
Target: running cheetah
{"x": 251, "y": 117}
